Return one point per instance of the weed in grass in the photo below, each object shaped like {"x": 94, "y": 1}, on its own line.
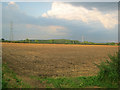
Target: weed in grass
{"x": 10, "y": 79}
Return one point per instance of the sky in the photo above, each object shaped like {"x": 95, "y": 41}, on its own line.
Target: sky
{"x": 95, "y": 21}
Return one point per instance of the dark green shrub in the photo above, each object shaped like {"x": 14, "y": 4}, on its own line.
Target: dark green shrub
{"x": 109, "y": 70}
{"x": 4, "y": 84}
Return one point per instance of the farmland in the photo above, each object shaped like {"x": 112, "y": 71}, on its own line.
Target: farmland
{"x": 54, "y": 60}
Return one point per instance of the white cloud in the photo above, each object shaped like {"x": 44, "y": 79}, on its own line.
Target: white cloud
{"x": 66, "y": 11}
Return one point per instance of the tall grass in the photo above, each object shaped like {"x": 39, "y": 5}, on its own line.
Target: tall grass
{"x": 10, "y": 79}
{"x": 110, "y": 69}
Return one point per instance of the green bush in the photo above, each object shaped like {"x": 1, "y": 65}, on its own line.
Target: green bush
{"x": 109, "y": 70}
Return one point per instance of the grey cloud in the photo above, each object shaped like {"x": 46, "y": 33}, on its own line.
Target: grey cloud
{"x": 102, "y": 6}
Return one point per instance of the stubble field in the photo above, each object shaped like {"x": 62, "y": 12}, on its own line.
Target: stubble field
{"x": 55, "y": 60}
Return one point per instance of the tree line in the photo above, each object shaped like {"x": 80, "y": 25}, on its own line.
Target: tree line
{"x": 58, "y": 41}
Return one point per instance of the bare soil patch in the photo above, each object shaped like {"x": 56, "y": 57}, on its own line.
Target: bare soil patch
{"x": 55, "y": 60}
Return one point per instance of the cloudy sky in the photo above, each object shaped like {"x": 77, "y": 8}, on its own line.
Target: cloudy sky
{"x": 97, "y": 22}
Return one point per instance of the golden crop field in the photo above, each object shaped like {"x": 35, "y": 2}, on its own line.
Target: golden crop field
{"x": 55, "y": 60}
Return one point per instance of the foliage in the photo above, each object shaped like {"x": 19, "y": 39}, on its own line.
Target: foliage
{"x": 10, "y": 79}
{"x": 37, "y": 41}
{"x": 109, "y": 70}
{"x": 59, "y": 41}
{"x": 74, "y": 82}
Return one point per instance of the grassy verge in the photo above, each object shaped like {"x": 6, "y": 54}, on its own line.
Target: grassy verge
{"x": 75, "y": 82}
{"x": 10, "y": 79}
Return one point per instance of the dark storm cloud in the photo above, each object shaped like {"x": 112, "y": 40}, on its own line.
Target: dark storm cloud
{"x": 102, "y": 6}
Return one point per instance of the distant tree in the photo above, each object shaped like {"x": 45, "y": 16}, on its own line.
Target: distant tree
{"x": 73, "y": 42}
{"x": 112, "y": 43}
{"x": 3, "y": 39}
{"x": 37, "y": 41}
{"x": 53, "y": 41}
{"x": 85, "y": 42}
{"x": 27, "y": 40}
{"x": 66, "y": 42}
{"x": 91, "y": 43}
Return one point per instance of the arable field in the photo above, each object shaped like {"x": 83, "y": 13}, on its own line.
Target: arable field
{"x": 54, "y": 60}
